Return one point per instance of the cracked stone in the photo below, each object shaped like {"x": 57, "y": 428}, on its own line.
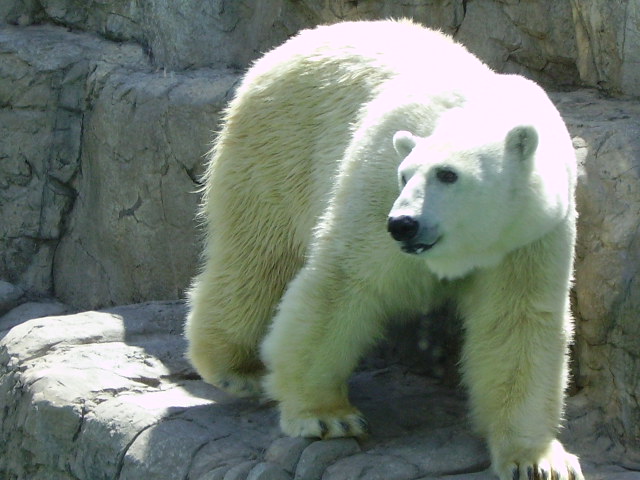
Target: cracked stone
{"x": 367, "y": 466}
{"x": 268, "y": 471}
{"x": 286, "y": 452}
{"x": 240, "y": 471}
{"x": 315, "y": 459}
{"x": 9, "y": 296}
{"x": 154, "y": 454}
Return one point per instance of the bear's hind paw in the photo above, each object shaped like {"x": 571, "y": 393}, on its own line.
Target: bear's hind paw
{"x": 243, "y": 386}
{"x": 327, "y": 426}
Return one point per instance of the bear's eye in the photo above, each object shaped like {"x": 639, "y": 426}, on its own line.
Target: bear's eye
{"x": 446, "y": 175}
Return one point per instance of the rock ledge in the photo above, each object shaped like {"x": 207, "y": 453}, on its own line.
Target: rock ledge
{"x": 108, "y": 395}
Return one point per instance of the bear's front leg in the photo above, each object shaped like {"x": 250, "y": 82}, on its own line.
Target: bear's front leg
{"x": 515, "y": 367}
{"x": 322, "y": 329}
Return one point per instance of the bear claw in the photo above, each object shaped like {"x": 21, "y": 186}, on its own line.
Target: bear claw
{"x": 346, "y": 428}
{"x": 326, "y": 427}
{"x": 555, "y": 464}
{"x": 538, "y": 473}
{"x": 543, "y": 474}
{"x": 364, "y": 425}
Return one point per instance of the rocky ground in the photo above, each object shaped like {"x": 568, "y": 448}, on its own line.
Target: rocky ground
{"x": 109, "y": 395}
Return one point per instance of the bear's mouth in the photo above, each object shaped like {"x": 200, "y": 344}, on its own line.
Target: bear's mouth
{"x": 417, "y": 248}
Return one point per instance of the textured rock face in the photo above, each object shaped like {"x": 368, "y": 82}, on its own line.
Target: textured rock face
{"x": 99, "y": 159}
{"x": 136, "y": 199}
{"x": 608, "y": 43}
{"x": 177, "y": 34}
{"x": 606, "y": 134}
{"x": 42, "y": 97}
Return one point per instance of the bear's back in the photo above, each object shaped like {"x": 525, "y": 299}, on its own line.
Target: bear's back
{"x": 307, "y": 96}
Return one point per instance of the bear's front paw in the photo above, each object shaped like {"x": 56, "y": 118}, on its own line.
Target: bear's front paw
{"x": 556, "y": 464}
{"x": 349, "y": 423}
{"x": 244, "y": 386}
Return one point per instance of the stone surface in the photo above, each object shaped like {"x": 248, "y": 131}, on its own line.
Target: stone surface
{"x": 608, "y": 43}
{"x": 43, "y": 73}
{"x": 100, "y": 159}
{"x": 41, "y": 101}
{"x": 109, "y": 395}
{"x": 531, "y": 38}
{"x": 286, "y": 451}
{"x": 372, "y": 466}
{"x": 596, "y": 41}
{"x": 10, "y": 296}
{"x": 177, "y": 34}
{"x": 319, "y": 455}
{"x": 133, "y": 227}
{"x": 607, "y": 286}
{"x": 267, "y": 471}
{"x": 29, "y": 311}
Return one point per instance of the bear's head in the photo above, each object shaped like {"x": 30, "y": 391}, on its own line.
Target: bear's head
{"x": 479, "y": 187}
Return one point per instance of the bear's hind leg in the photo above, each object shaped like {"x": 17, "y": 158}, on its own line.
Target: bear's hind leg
{"x": 231, "y": 305}
{"x": 222, "y": 347}
{"x": 230, "y": 367}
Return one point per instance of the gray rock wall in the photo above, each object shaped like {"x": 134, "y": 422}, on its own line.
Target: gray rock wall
{"x": 132, "y": 228}
{"x": 607, "y": 287}
{"x": 104, "y": 128}
{"x": 607, "y": 43}
{"x": 176, "y": 34}
{"x": 100, "y": 156}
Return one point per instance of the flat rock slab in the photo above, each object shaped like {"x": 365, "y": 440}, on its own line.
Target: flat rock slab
{"x": 109, "y": 395}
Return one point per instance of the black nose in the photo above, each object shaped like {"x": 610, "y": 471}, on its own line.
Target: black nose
{"x": 403, "y": 228}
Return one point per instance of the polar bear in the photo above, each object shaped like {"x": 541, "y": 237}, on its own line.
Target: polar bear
{"x": 371, "y": 170}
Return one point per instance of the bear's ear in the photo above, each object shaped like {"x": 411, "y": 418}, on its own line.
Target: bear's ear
{"x": 522, "y": 141}
{"x": 403, "y": 142}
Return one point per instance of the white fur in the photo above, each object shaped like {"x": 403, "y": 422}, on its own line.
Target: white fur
{"x": 300, "y": 184}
